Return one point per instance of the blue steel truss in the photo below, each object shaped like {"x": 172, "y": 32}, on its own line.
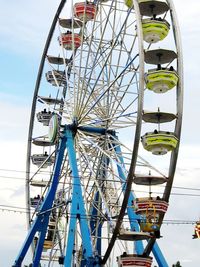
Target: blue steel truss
{"x": 133, "y": 217}
{"x": 41, "y": 222}
{"x": 90, "y": 254}
{"x": 77, "y": 212}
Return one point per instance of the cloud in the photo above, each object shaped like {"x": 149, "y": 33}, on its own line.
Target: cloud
{"x": 18, "y": 192}
{"x": 24, "y": 28}
{"x": 14, "y": 119}
{"x": 177, "y": 245}
{"x": 13, "y": 232}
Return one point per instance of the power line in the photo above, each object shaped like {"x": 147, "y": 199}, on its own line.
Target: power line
{"x": 186, "y": 188}
{"x": 20, "y": 171}
{"x": 25, "y": 210}
{"x": 172, "y": 194}
{"x": 166, "y": 222}
{"x": 136, "y": 191}
{"x": 189, "y": 195}
{"x": 179, "y": 222}
{"x": 174, "y": 187}
{"x": 10, "y": 170}
{"x": 7, "y": 206}
{"x": 13, "y": 178}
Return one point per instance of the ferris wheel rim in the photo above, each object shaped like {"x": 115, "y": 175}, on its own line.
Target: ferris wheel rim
{"x": 174, "y": 155}
{"x": 37, "y": 86}
{"x": 36, "y": 95}
{"x": 178, "y": 127}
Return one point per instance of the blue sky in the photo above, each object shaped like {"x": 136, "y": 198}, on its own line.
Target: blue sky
{"x": 23, "y": 31}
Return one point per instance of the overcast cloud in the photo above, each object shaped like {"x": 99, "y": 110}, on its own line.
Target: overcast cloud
{"x": 24, "y": 27}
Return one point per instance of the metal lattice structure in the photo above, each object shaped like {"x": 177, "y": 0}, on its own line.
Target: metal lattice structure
{"x": 105, "y": 63}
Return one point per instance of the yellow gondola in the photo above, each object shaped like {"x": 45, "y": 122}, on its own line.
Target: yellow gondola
{"x": 161, "y": 81}
{"x": 154, "y": 30}
{"x": 159, "y": 142}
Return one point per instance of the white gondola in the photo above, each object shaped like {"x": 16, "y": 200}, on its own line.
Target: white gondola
{"x": 35, "y": 202}
{"x": 42, "y": 142}
{"x": 39, "y": 183}
{"x": 44, "y": 117}
{"x": 42, "y": 160}
{"x": 56, "y": 78}
{"x": 112, "y": 199}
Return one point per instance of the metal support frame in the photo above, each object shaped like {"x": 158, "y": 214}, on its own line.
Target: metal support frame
{"x": 77, "y": 212}
{"x": 159, "y": 256}
{"x": 134, "y": 217}
{"x": 94, "y": 222}
{"x": 41, "y": 222}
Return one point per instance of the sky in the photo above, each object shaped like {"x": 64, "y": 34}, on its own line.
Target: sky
{"x": 23, "y": 31}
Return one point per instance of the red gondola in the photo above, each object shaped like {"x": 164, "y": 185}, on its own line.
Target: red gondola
{"x": 85, "y": 11}
{"x": 134, "y": 261}
{"x": 70, "y": 41}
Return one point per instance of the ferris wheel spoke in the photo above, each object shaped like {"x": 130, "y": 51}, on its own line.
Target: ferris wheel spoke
{"x": 117, "y": 90}
{"x": 106, "y": 153}
{"x": 127, "y": 119}
{"x": 114, "y": 26}
{"x": 108, "y": 81}
{"x": 100, "y": 72}
{"x": 107, "y": 89}
{"x": 141, "y": 160}
{"x": 125, "y": 50}
{"x": 97, "y": 183}
{"x": 98, "y": 49}
{"x": 115, "y": 107}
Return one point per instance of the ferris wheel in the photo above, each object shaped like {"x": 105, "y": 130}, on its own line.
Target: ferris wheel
{"x": 105, "y": 126}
